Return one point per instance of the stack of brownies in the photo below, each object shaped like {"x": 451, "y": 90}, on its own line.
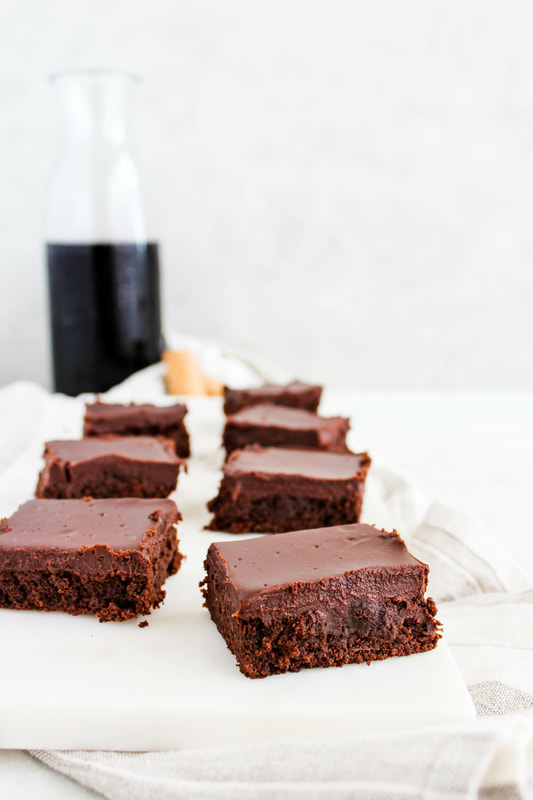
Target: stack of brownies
{"x": 101, "y": 537}
{"x": 331, "y": 592}
{"x": 287, "y": 468}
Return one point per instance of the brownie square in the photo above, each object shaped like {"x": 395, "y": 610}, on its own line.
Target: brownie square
{"x": 135, "y": 466}
{"x": 277, "y": 489}
{"x": 104, "y": 557}
{"x": 139, "y": 420}
{"x": 318, "y": 598}
{"x": 294, "y": 395}
{"x": 280, "y": 426}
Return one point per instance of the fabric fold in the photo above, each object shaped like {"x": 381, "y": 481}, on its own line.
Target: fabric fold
{"x": 434, "y": 763}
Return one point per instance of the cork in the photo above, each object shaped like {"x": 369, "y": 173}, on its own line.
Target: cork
{"x": 184, "y": 376}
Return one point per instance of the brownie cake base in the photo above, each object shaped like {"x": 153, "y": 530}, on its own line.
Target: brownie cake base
{"x": 292, "y": 644}
{"x": 278, "y": 513}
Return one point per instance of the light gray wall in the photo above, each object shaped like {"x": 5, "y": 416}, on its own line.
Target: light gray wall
{"x": 345, "y": 187}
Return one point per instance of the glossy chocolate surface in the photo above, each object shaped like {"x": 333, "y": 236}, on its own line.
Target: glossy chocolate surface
{"x": 110, "y": 416}
{"x": 72, "y": 526}
{"x": 282, "y": 417}
{"x": 312, "y": 464}
{"x": 268, "y": 564}
{"x": 135, "y": 448}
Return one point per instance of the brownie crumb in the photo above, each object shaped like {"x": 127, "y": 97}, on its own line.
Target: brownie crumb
{"x": 144, "y": 623}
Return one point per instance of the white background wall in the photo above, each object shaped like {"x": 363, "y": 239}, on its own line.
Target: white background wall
{"x": 345, "y": 187}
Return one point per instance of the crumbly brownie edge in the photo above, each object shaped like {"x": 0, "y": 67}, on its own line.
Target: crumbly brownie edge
{"x": 183, "y": 442}
{"x": 166, "y": 561}
{"x": 278, "y": 513}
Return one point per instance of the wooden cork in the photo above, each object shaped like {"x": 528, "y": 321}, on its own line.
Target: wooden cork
{"x": 184, "y": 376}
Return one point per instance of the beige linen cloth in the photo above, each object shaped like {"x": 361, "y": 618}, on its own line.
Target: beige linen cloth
{"x": 486, "y": 605}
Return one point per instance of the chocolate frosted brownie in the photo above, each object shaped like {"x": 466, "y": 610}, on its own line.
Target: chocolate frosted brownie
{"x": 295, "y": 395}
{"x": 143, "y": 420}
{"x": 318, "y": 598}
{"x": 277, "y": 489}
{"x": 136, "y": 466}
{"x": 278, "y": 426}
{"x": 103, "y": 557}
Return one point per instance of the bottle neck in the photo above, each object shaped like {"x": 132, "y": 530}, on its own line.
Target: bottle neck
{"x": 96, "y": 108}
{"x": 95, "y": 190}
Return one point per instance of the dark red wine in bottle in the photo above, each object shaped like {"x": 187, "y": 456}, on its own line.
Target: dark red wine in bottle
{"x": 105, "y": 313}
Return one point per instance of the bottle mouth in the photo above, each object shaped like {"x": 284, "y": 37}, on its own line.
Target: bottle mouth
{"x": 94, "y": 72}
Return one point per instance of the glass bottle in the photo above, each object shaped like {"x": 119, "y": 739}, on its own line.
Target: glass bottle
{"x": 103, "y": 270}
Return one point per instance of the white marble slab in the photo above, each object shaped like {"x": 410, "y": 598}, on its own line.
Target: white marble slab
{"x": 72, "y": 682}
